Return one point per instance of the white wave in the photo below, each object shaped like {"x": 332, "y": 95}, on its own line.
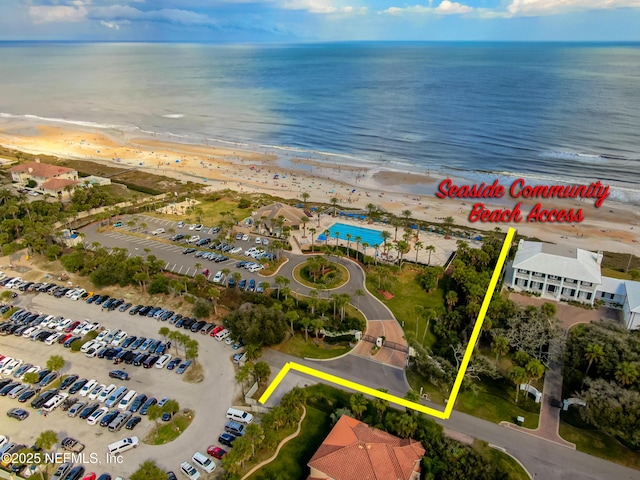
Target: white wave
{"x": 578, "y": 157}
{"x": 173, "y": 115}
{"x": 80, "y": 123}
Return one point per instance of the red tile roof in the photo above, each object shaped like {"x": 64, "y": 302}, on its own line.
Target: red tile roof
{"x": 57, "y": 184}
{"x": 356, "y": 451}
{"x": 40, "y": 170}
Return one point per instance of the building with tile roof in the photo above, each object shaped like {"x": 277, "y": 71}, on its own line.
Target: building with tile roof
{"x": 355, "y": 451}
{"x": 268, "y": 217}
{"x": 41, "y": 172}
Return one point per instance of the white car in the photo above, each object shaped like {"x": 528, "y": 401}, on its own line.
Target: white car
{"x": 258, "y": 241}
{"x": 89, "y": 327}
{"x": 54, "y": 322}
{"x": 12, "y": 367}
{"x": 190, "y": 471}
{"x": 88, "y": 387}
{"x": 5, "y": 361}
{"x": 96, "y": 391}
{"x": 194, "y": 239}
{"x": 78, "y": 329}
{"x": 255, "y": 268}
{"x": 76, "y": 296}
{"x": 245, "y": 237}
{"x": 97, "y": 415}
{"x": 35, "y": 333}
{"x": 28, "y": 332}
{"x": 158, "y": 231}
{"x": 119, "y": 338}
{"x": 103, "y": 334}
{"x": 51, "y": 339}
{"x": 106, "y": 393}
{"x": 235, "y": 250}
{"x": 64, "y": 324}
{"x": 192, "y": 226}
{"x": 218, "y": 277}
{"x": 265, "y": 241}
{"x": 163, "y": 360}
{"x": 71, "y": 292}
{"x": 204, "y": 462}
{"x": 112, "y": 334}
{"x": 90, "y": 344}
{"x": 34, "y": 369}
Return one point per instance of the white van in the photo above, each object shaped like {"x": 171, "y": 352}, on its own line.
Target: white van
{"x": 127, "y": 400}
{"x": 88, "y": 387}
{"x": 116, "y": 396}
{"x": 122, "y": 445}
{"x": 106, "y": 393}
{"x": 55, "y": 402}
{"x": 222, "y": 334}
{"x": 239, "y": 416}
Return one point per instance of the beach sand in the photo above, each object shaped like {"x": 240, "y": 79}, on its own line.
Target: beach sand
{"x": 613, "y": 227}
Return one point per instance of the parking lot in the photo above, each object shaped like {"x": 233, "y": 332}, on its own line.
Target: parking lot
{"x": 139, "y": 239}
{"x": 208, "y": 399}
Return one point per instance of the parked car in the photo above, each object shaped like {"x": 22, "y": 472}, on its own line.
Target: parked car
{"x": 17, "y": 413}
{"x": 182, "y": 368}
{"x": 119, "y": 374}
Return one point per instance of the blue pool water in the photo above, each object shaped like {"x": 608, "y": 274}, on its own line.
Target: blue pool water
{"x": 372, "y": 237}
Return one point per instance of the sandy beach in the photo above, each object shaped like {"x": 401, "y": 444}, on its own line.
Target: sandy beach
{"x": 613, "y": 227}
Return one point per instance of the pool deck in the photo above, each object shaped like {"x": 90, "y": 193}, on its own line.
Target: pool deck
{"x": 443, "y": 247}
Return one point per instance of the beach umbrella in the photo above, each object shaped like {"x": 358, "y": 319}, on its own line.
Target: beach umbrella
{"x": 353, "y": 191}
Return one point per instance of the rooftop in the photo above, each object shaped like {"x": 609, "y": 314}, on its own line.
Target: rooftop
{"x": 41, "y": 170}
{"x": 57, "y": 184}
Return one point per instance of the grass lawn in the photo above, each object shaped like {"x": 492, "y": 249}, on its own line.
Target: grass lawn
{"x": 496, "y": 402}
{"x": 291, "y": 461}
{"x": 513, "y": 468}
{"x": 211, "y": 211}
{"x": 272, "y": 267}
{"x": 298, "y": 347}
{"x": 417, "y": 381}
{"x": 166, "y": 432}
{"x": 609, "y": 272}
{"x": 595, "y": 442}
{"x": 343, "y": 278}
{"x": 408, "y": 294}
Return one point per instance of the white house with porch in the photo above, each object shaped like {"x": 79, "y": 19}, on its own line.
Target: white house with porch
{"x": 556, "y": 271}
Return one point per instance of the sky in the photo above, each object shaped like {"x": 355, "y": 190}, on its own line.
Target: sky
{"x": 319, "y": 20}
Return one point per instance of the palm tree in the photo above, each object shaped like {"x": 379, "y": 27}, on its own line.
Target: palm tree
{"x": 304, "y": 219}
{"x": 358, "y": 404}
{"x": 500, "y": 346}
{"x": 312, "y": 231}
{"x": 451, "y": 298}
{"x": 430, "y": 249}
{"x": 348, "y": 236}
{"x": 358, "y": 293}
{"x": 336, "y": 234}
{"x": 358, "y": 241}
{"x": 334, "y": 202}
{"x": 237, "y": 276}
{"x": 326, "y": 237}
{"x": 626, "y": 373}
{"x": 365, "y": 245}
{"x": 534, "y": 369}
{"x": 518, "y": 376}
{"x": 371, "y": 209}
{"x": 403, "y": 248}
{"x": 305, "y": 197}
{"x": 593, "y": 354}
{"x": 418, "y": 246}
{"x": 385, "y": 236}
{"x": 406, "y": 214}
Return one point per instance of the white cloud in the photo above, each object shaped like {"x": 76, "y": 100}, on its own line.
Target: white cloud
{"x": 111, "y": 25}
{"x": 446, "y": 7}
{"x": 321, "y": 6}
{"x": 554, "y": 7}
{"x": 57, "y": 13}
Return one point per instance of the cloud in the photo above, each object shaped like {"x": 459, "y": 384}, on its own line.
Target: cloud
{"x": 446, "y": 7}
{"x": 111, "y": 25}
{"x": 57, "y": 13}
{"x": 555, "y": 7}
{"x": 321, "y": 6}
{"x": 119, "y": 13}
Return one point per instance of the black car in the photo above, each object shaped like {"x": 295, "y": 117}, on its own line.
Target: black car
{"x": 129, "y": 357}
{"x": 119, "y": 374}
{"x": 108, "y": 417}
{"x": 107, "y": 303}
{"x": 189, "y": 250}
{"x": 139, "y": 341}
{"x": 151, "y": 361}
{"x": 197, "y": 326}
{"x": 119, "y": 358}
{"x": 140, "y": 359}
{"x": 124, "y": 307}
{"x": 181, "y": 321}
{"x": 75, "y": 473}
{"x": 153, "y": 311}
{"x": 177, "y": 236}
{"x": 102, "y": 352}
{"x": 28, "y": 395}
{"x": 171, "y": 476}
{"x": 88, "y": 410}
{"x": 43, "y": 398}
{"x": 128, "y": 341}
{"x": 175, "y": 362}
{"x": 4, "y": 391}
{"x": 101, "y": 299}
{"x": 42, "y": 374}
{"x": 75, "y": 388}
{"x": 93, "y": 298}
{"x": 137, "y": 403}
{"x": 166, "y": 315}
{"x": 135, "y": 309}
{"x": 144, "y": 310}
{"x": 147, "y": 404}
{"x": 175, "y": 318}
{"x": 112, "y": 353}
{"x": 5, "y": 382}
{"x": 104, "y": 476}
{"x": 66, "y": 383}
{"x": 226, "y": 439}
{"x": 68, "y": 343}
{"x": 131, "y": 424}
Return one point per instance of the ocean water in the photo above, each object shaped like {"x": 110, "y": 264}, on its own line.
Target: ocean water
{"x": 548, "y": 112}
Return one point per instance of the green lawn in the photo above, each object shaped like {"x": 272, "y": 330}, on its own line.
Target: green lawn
{"x": 211, "y": 211}
{"x": 507, "y": 462}
{"x": 595, "y": 442}
{"x": 417, "y": 381}
{"x": 496, "y": 402}
{"x": 290, "y": 464}
{"x": 298, "y": 347}
{"x": 407, "y": 295}
{"x": 343, "y": 276}
{"x": 609, "y": 272}
{"x": 169, "y": 431}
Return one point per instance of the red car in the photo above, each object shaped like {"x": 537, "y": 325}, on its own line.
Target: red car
{"x": 216, "y": 452}
{"x": 89, "y": 476}
{"x": 216, "y": 330}
{"x": 71, "y": 327}
{"x": 65, "y": 337}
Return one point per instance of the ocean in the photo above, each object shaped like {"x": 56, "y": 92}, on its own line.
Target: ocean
{"x": 549, "y": 112}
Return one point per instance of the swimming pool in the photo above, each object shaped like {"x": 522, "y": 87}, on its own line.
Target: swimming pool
{"x": 372, "y": 237}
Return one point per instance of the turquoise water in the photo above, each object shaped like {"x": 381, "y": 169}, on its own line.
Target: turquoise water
{"x": 372, "y": 237}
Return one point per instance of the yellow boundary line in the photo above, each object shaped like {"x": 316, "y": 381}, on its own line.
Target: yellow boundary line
{"x": 455, "y": 390}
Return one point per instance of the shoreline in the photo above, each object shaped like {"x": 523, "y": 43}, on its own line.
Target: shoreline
{"x": 613, "y": 227}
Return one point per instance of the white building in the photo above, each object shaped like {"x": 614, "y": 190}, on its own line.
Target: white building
{"x": 560, "y": 272}
{"x": 557, "y": 271}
